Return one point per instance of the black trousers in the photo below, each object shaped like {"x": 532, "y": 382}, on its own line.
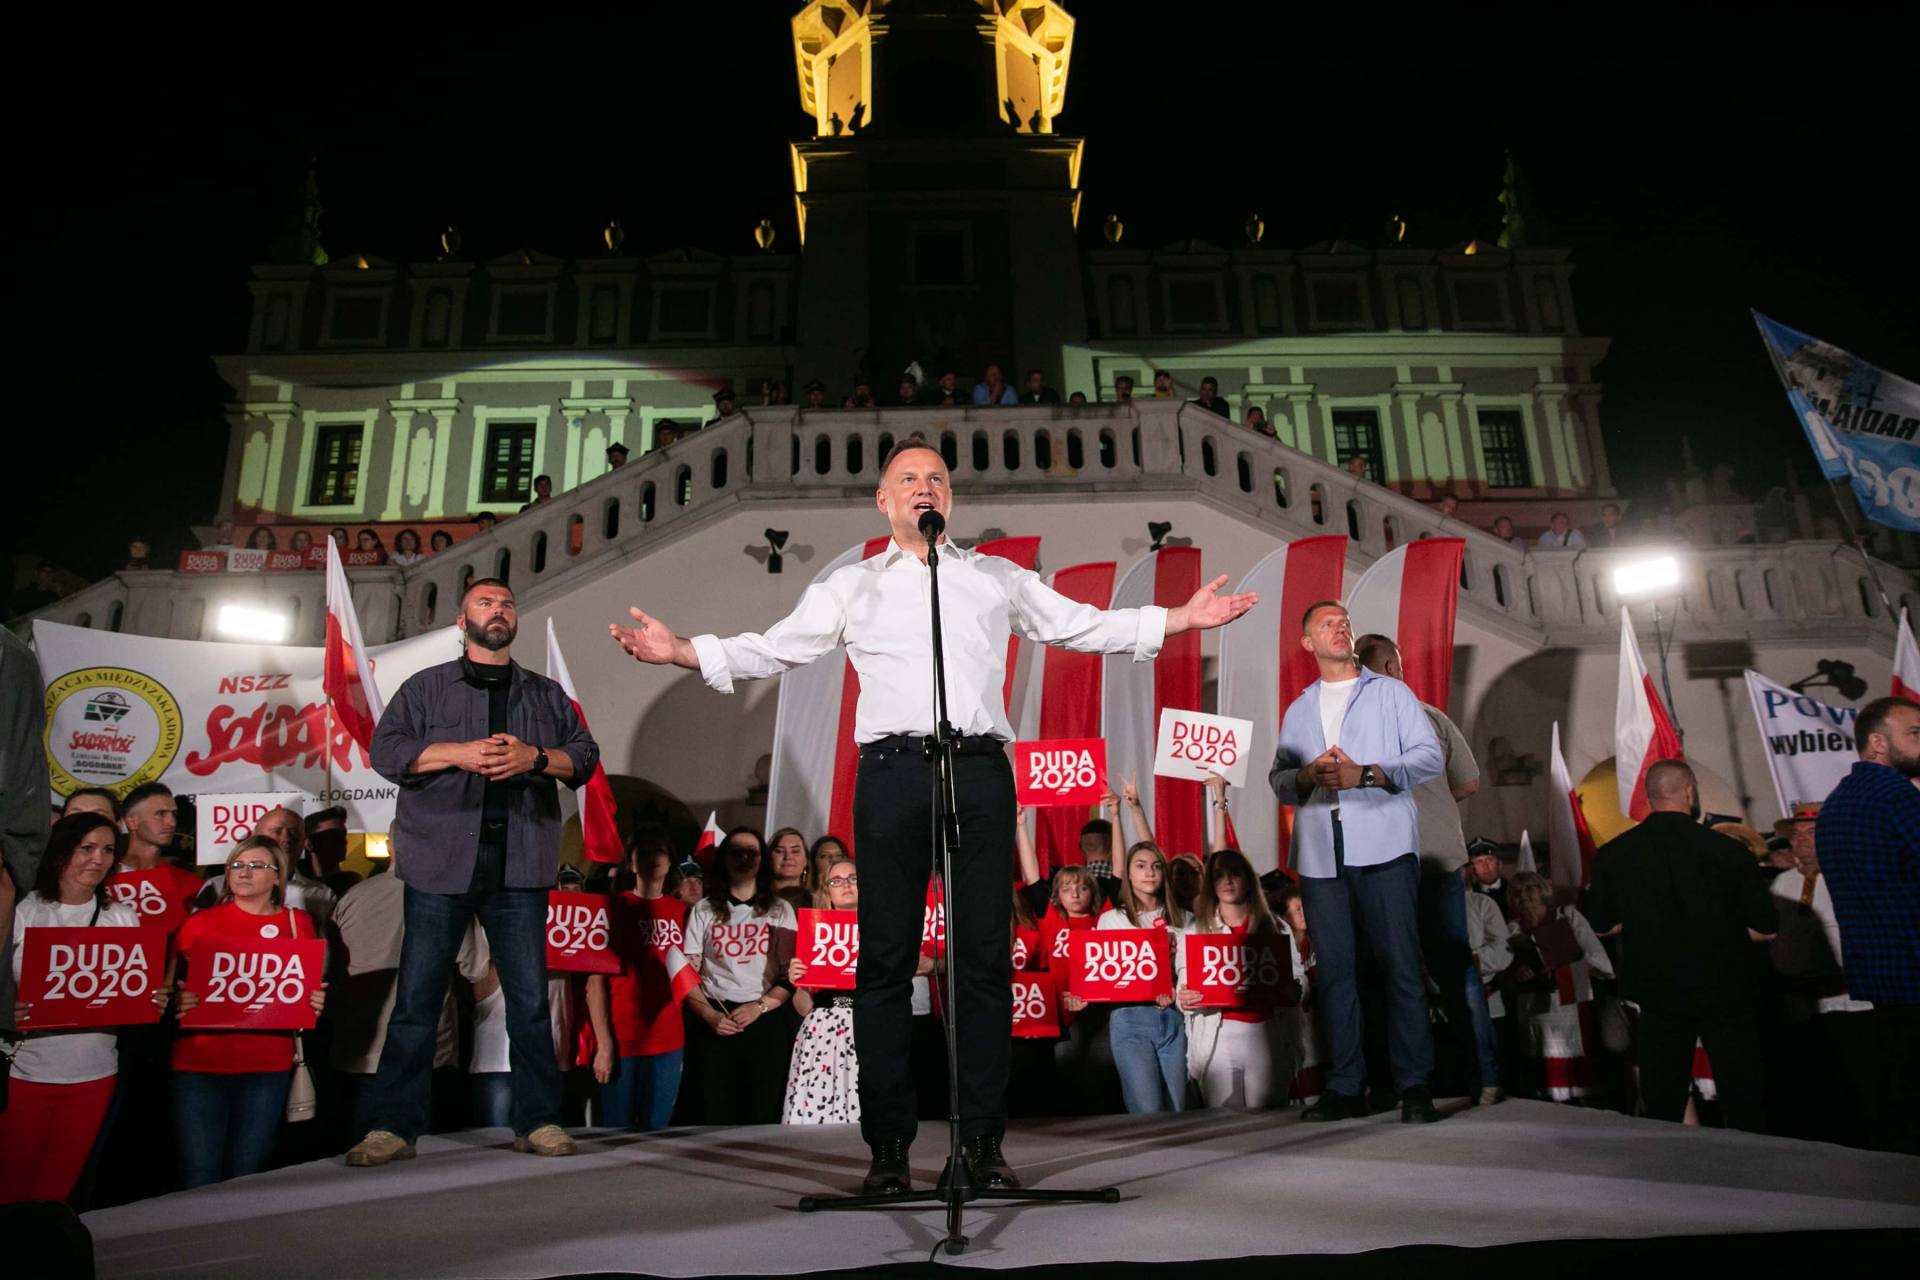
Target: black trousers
{"x": 893, "y": 839}
{"x": 1666, "y": 1066}
{"x": 742, "y": 1079}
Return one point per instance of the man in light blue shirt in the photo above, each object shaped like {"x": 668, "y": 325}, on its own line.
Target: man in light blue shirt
{"x": 1352, "y": 749}
{"x": 993, "y": 388}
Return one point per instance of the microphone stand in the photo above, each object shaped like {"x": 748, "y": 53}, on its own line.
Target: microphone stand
{"x": 955, "y": 1188}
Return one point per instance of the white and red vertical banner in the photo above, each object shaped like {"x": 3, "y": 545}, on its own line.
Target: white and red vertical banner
{"x": 1643, "y": 733}
{"x": 348, "y": 672}
{"x": 1263, "y": 669}
{"x": 1906, "y": 662}
{"x": 1065, "y": 703}
{"x": 1137, "y": 692}
{"x": 1571, "y": 857}
{"x": 1411, "y": 595}
{"x": 815, "y": 760}
{"x": 599, "y": 820}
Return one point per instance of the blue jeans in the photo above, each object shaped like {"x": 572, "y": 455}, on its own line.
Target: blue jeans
{"x": 642, "y": 1091}
{"x": 1377, "y": 904}
{"x": 1150, "y": 1052}
{"x": 436, "y": 923}
{"x": 1486, "y": 1041}
{"x": 225, "y": 1125}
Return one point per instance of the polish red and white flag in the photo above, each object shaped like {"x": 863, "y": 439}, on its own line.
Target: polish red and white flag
{"x": 1906, "y": 662}
{"x": 1643, "y": 733}
{"x": 682, "y": 977}
{"x": 1411, "y": 595}
{"x": 1571, "y": 855}
{"x": 1262, "y": 669}
{"x": 347, "y": 676}
{"x": 599, "y": 825}
{"x": 710, "y": 837}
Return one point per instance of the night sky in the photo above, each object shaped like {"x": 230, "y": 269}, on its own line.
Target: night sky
{"x": 1695, "y": 172}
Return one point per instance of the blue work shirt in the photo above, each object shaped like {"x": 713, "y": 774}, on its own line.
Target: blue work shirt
{"x": 1384, "y": 726}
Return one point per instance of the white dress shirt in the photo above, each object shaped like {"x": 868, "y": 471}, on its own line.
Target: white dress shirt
{"x": 879, "y": 609}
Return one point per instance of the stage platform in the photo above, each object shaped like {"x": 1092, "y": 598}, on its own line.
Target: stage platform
{"x": 1204, "y": 1185}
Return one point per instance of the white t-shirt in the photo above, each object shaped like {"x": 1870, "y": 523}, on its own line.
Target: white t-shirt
{"x": 65, "y": 1057}
{"x": 491, "y": 1050}
{"x": 731, "y": 955}
{"x": 1334, "y": 696}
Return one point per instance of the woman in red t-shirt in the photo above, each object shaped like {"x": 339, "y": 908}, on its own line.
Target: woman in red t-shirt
{"x": 1083, "y": 1070}
{"x": 641, "y": 1038}
{"x": 1242, "y": 1057}
{"x": 230, "y": 1087}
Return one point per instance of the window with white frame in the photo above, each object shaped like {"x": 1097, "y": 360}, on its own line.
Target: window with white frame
{"x": 507, "y": 464}
{"x": 335, "y": 478}
{"x": 1503, "y": 448}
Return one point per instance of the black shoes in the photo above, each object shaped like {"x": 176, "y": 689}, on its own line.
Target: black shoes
{"x": 1335, "y": 1106}
{"x": 990, "y": 1169}
{"x": 1416, "y": 1106}
{"x": 888, "y": 1174}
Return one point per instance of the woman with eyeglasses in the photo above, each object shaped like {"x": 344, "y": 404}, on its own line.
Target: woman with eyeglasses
{"x": 640, "y": 1040}
{"x": 230, "y": 1087}
{"x": 739, "y": 1028}
{"x": 62, "y": 1080}
{"x": 823, "y": 1080}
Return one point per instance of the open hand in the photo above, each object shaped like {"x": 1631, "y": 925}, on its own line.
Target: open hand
{"x": 1207, "y": 609}
{"x": 650, "y": 640}
{"x": 319, "y": 998}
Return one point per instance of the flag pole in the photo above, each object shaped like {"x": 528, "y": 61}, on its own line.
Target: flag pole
{"x": 1842, "y": 500}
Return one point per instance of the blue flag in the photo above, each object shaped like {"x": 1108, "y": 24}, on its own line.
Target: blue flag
{"x": 1861, "y": 421}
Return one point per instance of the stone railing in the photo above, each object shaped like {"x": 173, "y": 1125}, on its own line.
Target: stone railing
{"x": 787, "y": 455}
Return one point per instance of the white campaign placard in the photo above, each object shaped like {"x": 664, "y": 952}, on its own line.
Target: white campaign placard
{"x": 222, "y": 821}
{"x": 1194, "y": 744}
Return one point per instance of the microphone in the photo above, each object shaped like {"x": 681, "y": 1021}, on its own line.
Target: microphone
{"x": 932, "y": 525}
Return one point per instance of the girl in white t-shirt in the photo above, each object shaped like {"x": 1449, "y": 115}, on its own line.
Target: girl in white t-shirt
{"x": 1149, "y": 1039}
{"x": 823, "y": 1078}
{"x": 62, "y": 1080}
{"x": 1243, "y": 1058}
{"x": 740, "y": 1024}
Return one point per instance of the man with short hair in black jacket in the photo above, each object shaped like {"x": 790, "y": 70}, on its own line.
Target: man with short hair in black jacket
{"x": 1689, "y": 906}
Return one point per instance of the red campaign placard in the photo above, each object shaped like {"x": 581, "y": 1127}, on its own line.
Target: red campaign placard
{"x": 358, "y": 559}
{"x": 203, "y": 561}
{"x": 283, "y": 561}
{"x": 1027, "y": 950}
{"x": 317, "y": 555}
{"x": 1036, "y": 1006}
{"x": 148, "y": 893}
{"x": 1237, "y": 972}
{"x": 90, "y": 977}
{"x": 254, "y": 984}
{"x": 829, "y": 945}
{"x": 933, "y": 925}
{"x": 1121, "y": 966}
{"x": 580, "y": 933}
{"x": 1057, "y": 933}
{"x": 1060, "y": 772}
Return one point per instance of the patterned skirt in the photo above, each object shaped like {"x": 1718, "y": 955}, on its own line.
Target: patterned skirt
{"x": 823, "y": 1084}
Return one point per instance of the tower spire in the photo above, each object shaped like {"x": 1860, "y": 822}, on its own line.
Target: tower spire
{"x": 298, "y": 241}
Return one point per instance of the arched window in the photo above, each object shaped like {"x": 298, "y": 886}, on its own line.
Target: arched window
{"x": 1243, "y": 465}
{"x": 646, "y": 501}
{"x": 539, "y": 553}
{"x": 717, "y": 469}
{"x": 1076, "y": 450}
{"x": 1209, "y": 463}
{"x": 610, "y": 519}
{"x": 1010, "y": 450}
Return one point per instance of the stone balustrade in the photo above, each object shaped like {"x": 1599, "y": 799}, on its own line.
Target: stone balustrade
{"x": 788, "y": 454}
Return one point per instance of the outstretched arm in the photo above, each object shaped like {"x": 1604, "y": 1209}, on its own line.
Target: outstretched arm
{"x": 651, "y": 640}
{"x": 1207, "y": 609}
{"x": 814, "y": 627}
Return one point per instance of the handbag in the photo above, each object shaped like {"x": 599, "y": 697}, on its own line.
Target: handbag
{"x": 301, "y": 1098}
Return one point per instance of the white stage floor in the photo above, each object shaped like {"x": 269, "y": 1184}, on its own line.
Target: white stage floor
{"x": 1201, "y": 1185}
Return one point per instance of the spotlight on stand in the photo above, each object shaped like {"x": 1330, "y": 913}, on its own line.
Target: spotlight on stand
{"x": 244, "y": 622}
{"x": 776, "y": 543}
{"x": 1158, "y": 531}
{"x": 1649, "y": 578}
{"x": 1832, "y": 673}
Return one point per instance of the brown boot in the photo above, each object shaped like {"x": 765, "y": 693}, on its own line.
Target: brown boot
{"x": 378, "y": 1148}
{"x": 547, "y": 1140}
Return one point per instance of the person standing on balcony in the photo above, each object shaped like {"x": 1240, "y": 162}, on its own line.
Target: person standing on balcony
{"x": 1561, "y": 535}
{"x": 993, "y": 389}
{"x": 877, "y": 608}
{"x": 1122, "y": 389}
{"x": 476, "y": 747}
{"x": 1162, "y": 385}
{"x": 1037, "y": 391}
{"x": 1352, "y": 749}
{"x": 1209, "y": 399}
{"x": 1503, "y": 530}
{"x": 616, "y": 456}
{"x": 1608, "y": 532}
{"x": 542, "y": 492}
{"x": 1357, "y": 466}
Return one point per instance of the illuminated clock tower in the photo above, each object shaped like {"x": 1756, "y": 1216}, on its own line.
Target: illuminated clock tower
{"x": 936, "y": 205}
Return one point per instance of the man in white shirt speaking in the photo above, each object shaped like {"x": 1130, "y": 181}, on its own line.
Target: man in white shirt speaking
{"x": 878, "y": 609}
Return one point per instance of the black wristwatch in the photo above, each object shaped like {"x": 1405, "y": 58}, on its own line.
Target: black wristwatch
{"x": 1366, "y": 776}
{"x": 540, "y": 761}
